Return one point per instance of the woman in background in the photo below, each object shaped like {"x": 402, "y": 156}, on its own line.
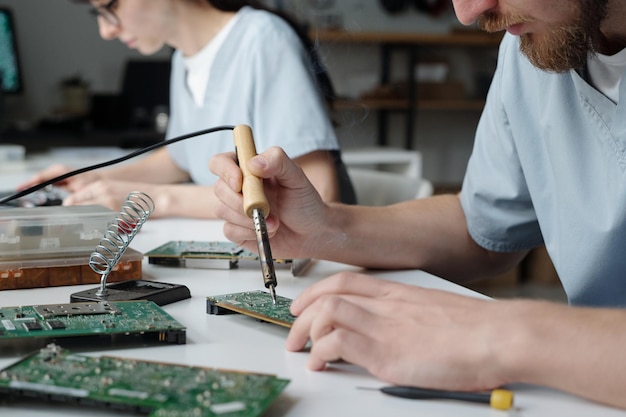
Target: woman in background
{"x": 234, "y": 62}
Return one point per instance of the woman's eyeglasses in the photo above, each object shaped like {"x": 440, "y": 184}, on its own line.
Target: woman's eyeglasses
{"x": 106, "y": 12}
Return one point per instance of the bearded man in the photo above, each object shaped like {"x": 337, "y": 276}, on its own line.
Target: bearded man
{"x": 548, "y": 167}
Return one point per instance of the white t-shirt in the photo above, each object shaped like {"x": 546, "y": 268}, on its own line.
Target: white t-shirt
{"x": 199, "y": 65}
{"x": 606, "y": 71}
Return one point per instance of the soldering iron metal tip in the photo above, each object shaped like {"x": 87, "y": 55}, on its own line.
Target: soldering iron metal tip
{"x": 273, "y": 293}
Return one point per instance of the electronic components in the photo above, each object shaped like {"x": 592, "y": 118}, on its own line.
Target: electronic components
{"x": 214, "y": 255}
{"x": 199, "y": 254}
{"x": 257, "y": 304}
{"x": 153, "y": 388}
{"x": 34, "y": 326}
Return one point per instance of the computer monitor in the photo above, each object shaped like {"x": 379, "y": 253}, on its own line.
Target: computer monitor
{"x": 10, "y": 71}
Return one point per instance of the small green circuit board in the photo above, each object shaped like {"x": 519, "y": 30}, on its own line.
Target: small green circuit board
{"x": 214, "y": 255}
{"x": 151, "y": 388}
{"x": 199, "y": 254}
{"x": 257, "y": 304}
{"x": 41, "y": 323}
{"x": 199, "y": 249}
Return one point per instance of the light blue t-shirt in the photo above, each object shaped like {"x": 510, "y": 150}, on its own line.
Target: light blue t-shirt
{"x": 548, "y": 166}
{"x": 261, "y": 77}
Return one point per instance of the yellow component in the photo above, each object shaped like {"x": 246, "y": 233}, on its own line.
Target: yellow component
{"x": 501, "y": 399}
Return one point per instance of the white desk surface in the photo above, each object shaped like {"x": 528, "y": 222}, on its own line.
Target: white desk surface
{"x": 239, "y": 342}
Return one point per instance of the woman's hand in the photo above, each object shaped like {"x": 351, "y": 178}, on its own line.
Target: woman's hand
{"x": 107, "y": 193}
{"x": 71, "y": 184}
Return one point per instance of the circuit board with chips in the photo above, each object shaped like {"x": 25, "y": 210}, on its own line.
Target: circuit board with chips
{"x": 37, "y": 325}
{"x": 199, "y": 254}
{"x": 214, "y": 255}
{"x": 151, "y": 388}
{"x": 257, "y": 304}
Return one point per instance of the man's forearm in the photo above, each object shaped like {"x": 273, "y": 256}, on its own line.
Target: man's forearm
{"x": 438, "y": 233}
{"x": 578, "y": 350}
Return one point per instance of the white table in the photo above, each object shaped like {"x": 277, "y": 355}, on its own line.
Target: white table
{"x": 239, "y": 342}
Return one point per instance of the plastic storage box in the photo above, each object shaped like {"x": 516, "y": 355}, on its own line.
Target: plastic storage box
{"x": 51, "y": 246}
{"x": 49, "y": 232}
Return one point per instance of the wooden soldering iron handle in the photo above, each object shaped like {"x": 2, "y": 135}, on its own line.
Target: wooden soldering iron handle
{"x": 252, "y": 189}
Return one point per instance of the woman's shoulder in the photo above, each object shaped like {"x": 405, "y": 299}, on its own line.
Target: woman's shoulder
{"x": 263, "y": 26}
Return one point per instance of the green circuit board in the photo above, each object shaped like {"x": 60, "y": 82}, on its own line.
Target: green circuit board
{"x": 151, "y": 388}
{"x": 257, "y": 304}
{"x": 199, "y": 249}
{"x": 42, "y": 323}
{"x": 214, "y": 255}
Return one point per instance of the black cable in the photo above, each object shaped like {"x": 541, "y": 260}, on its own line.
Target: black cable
{"x": 112, "y": 161}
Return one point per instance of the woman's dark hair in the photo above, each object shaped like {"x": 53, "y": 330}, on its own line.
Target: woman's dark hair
{"x": 321, "y": 75}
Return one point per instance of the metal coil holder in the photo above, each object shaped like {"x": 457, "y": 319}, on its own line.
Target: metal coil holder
{"x": 126, "y": 224}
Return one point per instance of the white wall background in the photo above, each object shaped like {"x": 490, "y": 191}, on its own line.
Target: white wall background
{"x": 58, "y": 38}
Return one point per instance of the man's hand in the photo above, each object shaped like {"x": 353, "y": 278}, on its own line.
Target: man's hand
{"x": 297, "y": 212}
{"x": 403, "y": 334}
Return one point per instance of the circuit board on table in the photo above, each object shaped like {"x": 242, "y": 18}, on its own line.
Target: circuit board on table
{"x": 214, "y": 255}
{"x": 257, "y": 304}
{"x": 156, "y": 389}
{"x": 37, "y": 325}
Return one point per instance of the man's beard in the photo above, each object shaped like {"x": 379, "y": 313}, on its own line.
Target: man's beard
{"x": 564, "y": 47}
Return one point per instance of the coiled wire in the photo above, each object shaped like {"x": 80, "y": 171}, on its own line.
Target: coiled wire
{"x": 132, "y": 215}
